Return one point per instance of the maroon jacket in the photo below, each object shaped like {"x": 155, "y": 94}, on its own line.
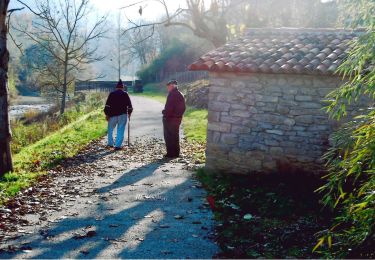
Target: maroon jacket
{"x": 175, "y": 105}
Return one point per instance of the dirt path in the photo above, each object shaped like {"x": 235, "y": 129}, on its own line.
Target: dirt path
{"x": 104, "y": 204}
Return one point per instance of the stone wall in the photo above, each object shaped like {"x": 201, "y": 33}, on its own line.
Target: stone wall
{"x": 268, "y": 122}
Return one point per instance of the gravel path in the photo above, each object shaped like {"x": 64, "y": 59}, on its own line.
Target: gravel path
{"x": 105, "y": 204}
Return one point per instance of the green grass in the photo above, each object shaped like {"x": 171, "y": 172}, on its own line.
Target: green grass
{"x": 33, "y": 161}
{"x": 195, "y": 124}
{"x": 154, "y": 91}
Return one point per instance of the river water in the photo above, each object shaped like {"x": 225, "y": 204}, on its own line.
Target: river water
{"x": 19, "y": 110}
{"x": 25, "y": 104}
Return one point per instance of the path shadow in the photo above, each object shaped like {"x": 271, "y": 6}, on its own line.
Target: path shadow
{"x": 144, "y": 237}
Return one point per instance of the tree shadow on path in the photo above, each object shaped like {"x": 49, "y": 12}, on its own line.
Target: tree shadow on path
{"x": 150, "y": 212}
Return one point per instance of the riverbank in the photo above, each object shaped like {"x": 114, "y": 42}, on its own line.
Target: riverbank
{"x": 27, "y": 104}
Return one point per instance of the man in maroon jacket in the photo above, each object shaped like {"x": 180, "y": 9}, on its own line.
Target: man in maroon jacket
{"x": 172, "y": 117}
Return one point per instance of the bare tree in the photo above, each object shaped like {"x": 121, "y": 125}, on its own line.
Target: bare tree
{"x": 205, "y": 18}
{"x": 5, "y": 133}
{"x": 142, "y": 44}
{"x": 61, "y": 28}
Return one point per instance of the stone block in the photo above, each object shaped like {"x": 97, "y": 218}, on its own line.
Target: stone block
{"x": 236, "y": 157}
{"x": 290, "y": 91}
{"x": 231, "y": 119}
{"x": 310, "y": 105}
{"x": 259, "y": 146}
{"x": 287, "y": 144}
{"x": 305, "y": 119}
{"x": 251, "y": 123}
{"x": 223, "y": 97}
{"x": 324, "y": 91}
{"x": 260, "y": 104}
{"x": 256, "y": 155}
{"x": 282, "y": 109}
{"x": 276, "y": 151}
{"x": 289, "y": 103}
{"x": 271, "y": 142}
{"x": 248, "y": 100}
{"x": 307, "y": 91}
{"x": 221, "y": 89}
{"x": 253, "y": 164}
{"x": 239, "y": 129}
{"x": 269, "y": 118}
{"x": 265, "y": 125}
{"x": 266, "y": 99}
{"x": 303, "y": 98}
{"x": 218, "y": 106}
{"x": 229, "y": 139}
{"x": 269, "y": 165}
{"x": 270, "y": 107}
{"x": 218, "y": 82}
{"x": 238, "y": 84}
{"x": 240, "y": 113}
{"x": 239, "y": 106}
{"x": 219, "y": 127}
{"x": 275, "y": 132}
{"x": 213, "y": 116}
{"x": 282, "y": 82}
{"x": 289, "y": 122}
{"x": 273, "y": 89}
{"x": 318, "y": 128}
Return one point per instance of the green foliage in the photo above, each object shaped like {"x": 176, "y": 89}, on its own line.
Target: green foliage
{"x": 12, "y": 85}
{"x": 351, "y": 180}
{"x": 154, "y": 71}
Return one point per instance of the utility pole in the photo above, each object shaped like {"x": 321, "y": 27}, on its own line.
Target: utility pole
{"x": 119, "y": 44}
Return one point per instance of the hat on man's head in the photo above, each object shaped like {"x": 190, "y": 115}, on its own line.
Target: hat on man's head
{"x": 173, "y": 81}
{"x": 120, "y": 84}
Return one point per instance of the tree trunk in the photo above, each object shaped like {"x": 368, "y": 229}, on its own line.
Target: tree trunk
{"x": 65, "y": 87}
{"x": 5, "y": 133}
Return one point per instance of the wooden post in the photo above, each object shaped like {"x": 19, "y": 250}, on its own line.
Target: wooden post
{"x": 127, "y": 111}
{"x": 5, "y": 133}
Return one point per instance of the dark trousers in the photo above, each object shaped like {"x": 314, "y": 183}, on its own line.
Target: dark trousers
{"x": 172, "y": 136}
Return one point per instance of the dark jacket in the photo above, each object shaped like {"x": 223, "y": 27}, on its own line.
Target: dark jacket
{"x": 175, "y": 105}
{"x": 118, "y": 103}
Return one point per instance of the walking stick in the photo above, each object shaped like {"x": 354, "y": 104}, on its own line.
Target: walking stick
{"x": 127, "y": 111}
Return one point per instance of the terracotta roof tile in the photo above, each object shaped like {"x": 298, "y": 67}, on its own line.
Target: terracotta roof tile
{"x": 284, "y": 50}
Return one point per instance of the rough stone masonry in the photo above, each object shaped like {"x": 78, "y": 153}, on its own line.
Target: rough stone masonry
{"x": 268, "y": 122}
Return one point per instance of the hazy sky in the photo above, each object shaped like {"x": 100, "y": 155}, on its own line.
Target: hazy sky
{"x": 151, "y": 8}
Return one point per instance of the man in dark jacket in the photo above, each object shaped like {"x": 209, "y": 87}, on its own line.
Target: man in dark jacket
{"x": 172, "y": 117}
{"x": 117, "y": 110}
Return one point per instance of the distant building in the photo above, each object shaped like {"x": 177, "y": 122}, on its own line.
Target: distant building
{"x": 265, "y": 99}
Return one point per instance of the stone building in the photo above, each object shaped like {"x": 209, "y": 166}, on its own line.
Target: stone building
{"x": 266, "y": 97}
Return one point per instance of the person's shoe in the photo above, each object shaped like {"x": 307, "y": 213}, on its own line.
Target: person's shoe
{"x": 167, "y": 156}
{"x": 109, "y": 146}
{"x": 118, "y": 148}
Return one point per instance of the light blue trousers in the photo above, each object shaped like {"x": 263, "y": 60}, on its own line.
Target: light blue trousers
{"x": 120, "y": 122}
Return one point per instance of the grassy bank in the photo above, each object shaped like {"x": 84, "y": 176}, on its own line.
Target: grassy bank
{"x": 34, "y": 126}
{"x": 40, "y": 141}
{"x": 32, "y": 161}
